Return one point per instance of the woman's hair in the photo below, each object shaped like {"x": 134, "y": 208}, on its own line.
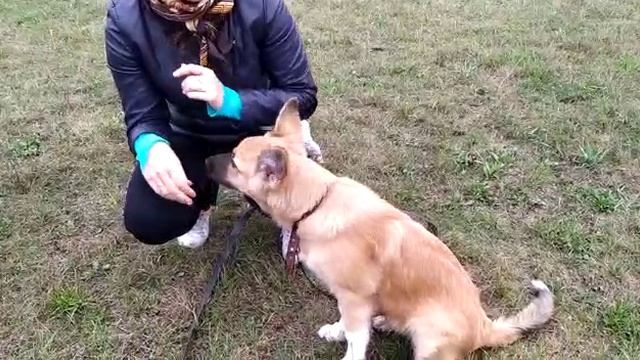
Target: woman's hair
{"x": 202, "y": 18}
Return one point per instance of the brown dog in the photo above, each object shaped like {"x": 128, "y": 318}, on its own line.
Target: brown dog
{"x": 383, "y": 267}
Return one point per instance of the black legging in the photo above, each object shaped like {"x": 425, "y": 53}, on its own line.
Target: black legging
{"x": 155, "y": 220}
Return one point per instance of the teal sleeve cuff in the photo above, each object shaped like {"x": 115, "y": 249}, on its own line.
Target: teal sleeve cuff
{"x": 231, "y": 105}
{"x": 143, "y": 144}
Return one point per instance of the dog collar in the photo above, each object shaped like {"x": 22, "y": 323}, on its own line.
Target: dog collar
{"x": 293, "y": 249}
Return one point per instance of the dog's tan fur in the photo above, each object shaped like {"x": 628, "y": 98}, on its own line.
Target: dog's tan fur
{"x": 373, "y": 257}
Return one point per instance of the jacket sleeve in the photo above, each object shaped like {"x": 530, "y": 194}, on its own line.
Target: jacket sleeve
{"x": 285, "y": 61}
{"x": 145, "y": 110}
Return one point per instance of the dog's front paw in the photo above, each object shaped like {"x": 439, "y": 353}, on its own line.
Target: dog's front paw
{"x": 332, "y": 332}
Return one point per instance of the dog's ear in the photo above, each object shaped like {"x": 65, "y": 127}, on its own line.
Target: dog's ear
{"x": 288, "y": 121}
{"x": 272, "y": 164}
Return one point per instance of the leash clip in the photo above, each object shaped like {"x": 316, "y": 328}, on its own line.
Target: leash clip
{"x": 293, "y": 249}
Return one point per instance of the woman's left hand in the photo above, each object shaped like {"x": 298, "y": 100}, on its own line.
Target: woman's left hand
{"x": 200, "y": 83}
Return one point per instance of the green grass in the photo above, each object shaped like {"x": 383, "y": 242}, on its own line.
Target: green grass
{"x": 629, "y": 63}
{"x": 622, "y": 320}
{"x": 602, "y": 200}
{"x": 68, "y": 302}
{"x": 5, "y": 228}
{"x": 27, "y": 147}
{"x": 567, "y": 237}
{"x": 513, "y": 126}
{"x": 480, "y": 192}
{"x": 590, "y": 156}
{"x": 494, "y": 165}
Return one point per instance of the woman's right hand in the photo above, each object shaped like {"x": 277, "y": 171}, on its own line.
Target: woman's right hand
{"x": 164, "y": 173}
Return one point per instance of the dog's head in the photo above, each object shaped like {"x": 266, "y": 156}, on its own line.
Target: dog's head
{"x": 259, "y": 165}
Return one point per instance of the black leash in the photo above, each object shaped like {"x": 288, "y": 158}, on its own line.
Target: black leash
{"x": 227, "y": 256}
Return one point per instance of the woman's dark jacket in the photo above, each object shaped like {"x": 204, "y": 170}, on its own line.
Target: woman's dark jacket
{"x": 261, "y": 56}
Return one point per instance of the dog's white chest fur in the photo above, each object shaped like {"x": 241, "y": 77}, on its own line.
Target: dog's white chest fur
{"x": 305, "y": 257}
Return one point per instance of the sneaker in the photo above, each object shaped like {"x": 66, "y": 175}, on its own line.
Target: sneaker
{"x": 198, "y": 234}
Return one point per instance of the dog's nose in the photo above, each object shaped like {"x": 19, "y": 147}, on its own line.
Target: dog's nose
{"x": 217, "y": 167}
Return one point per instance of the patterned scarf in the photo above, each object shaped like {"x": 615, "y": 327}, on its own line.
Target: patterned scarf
{"x": 201, "y": 17}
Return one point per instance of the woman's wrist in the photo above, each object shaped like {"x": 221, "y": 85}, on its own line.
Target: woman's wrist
{"x": 218, "y": 101}
{"x": 230, "y": 105}
{"x": 143, "y": 144}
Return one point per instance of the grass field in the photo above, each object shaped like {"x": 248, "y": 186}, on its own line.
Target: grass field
{"x": 513, "y": 125}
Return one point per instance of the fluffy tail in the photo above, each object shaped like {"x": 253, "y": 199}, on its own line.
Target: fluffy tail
{"x": 505, "y": 331}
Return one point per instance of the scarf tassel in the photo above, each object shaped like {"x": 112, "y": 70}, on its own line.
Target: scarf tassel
{"x": 174, "y": 10}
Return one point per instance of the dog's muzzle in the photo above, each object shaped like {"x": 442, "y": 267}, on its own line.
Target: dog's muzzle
{"x": 218, "y": 167}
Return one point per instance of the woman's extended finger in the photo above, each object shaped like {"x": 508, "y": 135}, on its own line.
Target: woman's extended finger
{"x": 189, "y": 69}
{"x": 193, "y": 83}
{"x": 199, "y": 95}
{"x": 172, "y": 190}
{"x": 181, "y": 181}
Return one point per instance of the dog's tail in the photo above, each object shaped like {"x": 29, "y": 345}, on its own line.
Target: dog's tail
{"x": 504, "y": 331}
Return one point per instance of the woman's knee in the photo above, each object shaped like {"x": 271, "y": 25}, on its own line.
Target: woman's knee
{"x": 152, "y": 219}
{"x": 143, "y": 229}
{"x": 157, "y": 229}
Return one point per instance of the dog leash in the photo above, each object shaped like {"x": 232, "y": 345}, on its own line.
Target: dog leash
{"x": 227, "y": 256}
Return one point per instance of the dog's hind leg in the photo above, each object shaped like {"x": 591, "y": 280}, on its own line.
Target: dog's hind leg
{"x": 433, "y": 349}
{"x": 424, "y": 348}
{"x": 433, "y": 340}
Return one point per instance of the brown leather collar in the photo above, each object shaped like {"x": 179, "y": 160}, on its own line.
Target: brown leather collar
{"x": 293, "y": 249}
